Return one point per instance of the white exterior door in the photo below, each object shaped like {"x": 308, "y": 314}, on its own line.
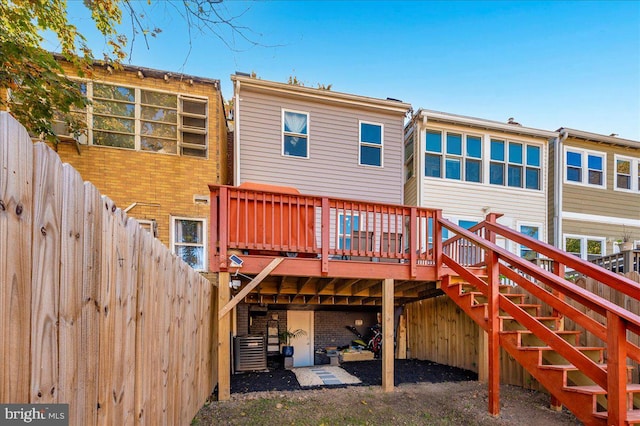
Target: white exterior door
{"x": 302, "y": 345}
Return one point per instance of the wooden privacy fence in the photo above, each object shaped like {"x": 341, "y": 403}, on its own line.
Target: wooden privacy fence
{"x": 94, "y": 311}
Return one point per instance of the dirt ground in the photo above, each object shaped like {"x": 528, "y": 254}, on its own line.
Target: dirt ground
{"x": 426, "y": 393}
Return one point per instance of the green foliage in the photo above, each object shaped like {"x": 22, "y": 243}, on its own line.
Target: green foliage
{"x": 286, "y": 336}
{"x": 39, "y": 88}
{"x": 37, "y": 83}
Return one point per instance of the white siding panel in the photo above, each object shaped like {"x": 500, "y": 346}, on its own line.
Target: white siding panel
{"x": 469, "y": 201}
{"x": 332, "y": 168}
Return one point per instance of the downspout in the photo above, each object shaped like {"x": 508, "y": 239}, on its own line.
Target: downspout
{"x": 236, "y": 134}
{"x": 418, "y": 154}
{"x": 557, "y": 193}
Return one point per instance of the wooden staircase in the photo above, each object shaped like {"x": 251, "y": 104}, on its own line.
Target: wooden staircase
{"x": 567, "y": 383}
{"x": 593, "y": 382}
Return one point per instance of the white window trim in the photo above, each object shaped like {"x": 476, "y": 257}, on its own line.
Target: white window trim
{"x": 372, "y": 145}
{"x": 634, "y": 173}
{"x": 205, "y": 231}
{"x": 138, "y": 118}
{"x": 308, "y": 135}
{"x": 585, "y": 169}
{"x": 583, "y": 247}
{"x": 524, "y": 165}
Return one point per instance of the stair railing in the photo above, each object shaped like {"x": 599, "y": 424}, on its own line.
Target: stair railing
{"x": 498, "y": 261}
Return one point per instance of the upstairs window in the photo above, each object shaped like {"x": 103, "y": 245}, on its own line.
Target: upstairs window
{"x": 497, "y": 165}
{"x": 114, "y": 116}
{"x": 147, "y": 120}
{"x": 295, "y": 134}
{"x": 473, "y": 159}
{"x": 627, "y": 174}
{"x": 370, "y": 144}
{"x": 515, "y": 164}
{"x": 459, "y": 158}
{"x": 433, "y": 156}
{"x": 533, "y": 173}
{"x": 584, "y": 167}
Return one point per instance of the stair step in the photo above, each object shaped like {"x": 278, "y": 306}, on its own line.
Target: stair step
{"x": 480, "y": 298}
{"x": 510, "y": 324}
{"x": 530, "y": 308}
{"x": 597, "y": 390}
{"x": 549, "y": 356}
{"x": 465, "y": 287}
{"x": 633, "y": 416}
{"x": 527, "y": 338}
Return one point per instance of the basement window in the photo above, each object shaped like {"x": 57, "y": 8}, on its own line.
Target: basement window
{"x": 188, "y": 241}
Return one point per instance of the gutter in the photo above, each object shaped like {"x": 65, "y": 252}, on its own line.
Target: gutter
{"x": 485, "y": 124}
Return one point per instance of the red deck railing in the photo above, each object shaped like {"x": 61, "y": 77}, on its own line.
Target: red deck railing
{"x": 277, "y": 223}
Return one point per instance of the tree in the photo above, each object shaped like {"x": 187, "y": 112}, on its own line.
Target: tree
{"x": 39, "y": 89}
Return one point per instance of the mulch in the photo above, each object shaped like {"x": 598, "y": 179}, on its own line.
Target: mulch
{"x": 369, "y": 373}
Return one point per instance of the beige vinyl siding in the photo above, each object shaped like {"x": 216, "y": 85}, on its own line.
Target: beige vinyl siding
{"x": 611, "y": 232}
{"x": 598, "y": 201}
{"x": 411, "y": 192}
{"x": 333, "y": 142}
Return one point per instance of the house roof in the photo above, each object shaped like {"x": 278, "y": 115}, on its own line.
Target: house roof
{"x": 482, "y": 123}
{"x": 391, "y": 105}
{"x": 151, "y": 72}
{"x": 595, "y": 137}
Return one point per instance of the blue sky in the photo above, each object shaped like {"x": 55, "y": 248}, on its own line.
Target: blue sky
{"x": 547, "y": 64}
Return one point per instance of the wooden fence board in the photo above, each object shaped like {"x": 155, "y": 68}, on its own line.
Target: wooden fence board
{"x": 107, "y": 358}
{"x": 16, "y": 214}
{"x": 95, "y": 312}
{"x": 71, "y": 278}
{"x": 47, "y": 215}
{"x": 92, "y": 273}
{"x": 144, "y": 326}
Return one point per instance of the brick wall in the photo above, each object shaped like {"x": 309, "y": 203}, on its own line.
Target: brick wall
{"x": 329, "y": 326}
{"x": 330, "y": 329}
{"x": 163, "y": 185}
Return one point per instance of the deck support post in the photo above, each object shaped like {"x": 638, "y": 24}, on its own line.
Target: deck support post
{"x": 493, "y": 269}
{"x": 616, "y": 369}
{"x": 387, "y": 335}
{"x": 224, "y": 339}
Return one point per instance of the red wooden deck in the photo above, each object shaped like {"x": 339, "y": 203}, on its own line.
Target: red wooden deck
{"x": 322, "y": 236}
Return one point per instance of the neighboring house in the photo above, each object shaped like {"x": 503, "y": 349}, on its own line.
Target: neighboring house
{"x": 155, "y": 141}
{"x": 469, "y": 167}
{"x": 319, "y": 141}
{"x": 595, "y": 197}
